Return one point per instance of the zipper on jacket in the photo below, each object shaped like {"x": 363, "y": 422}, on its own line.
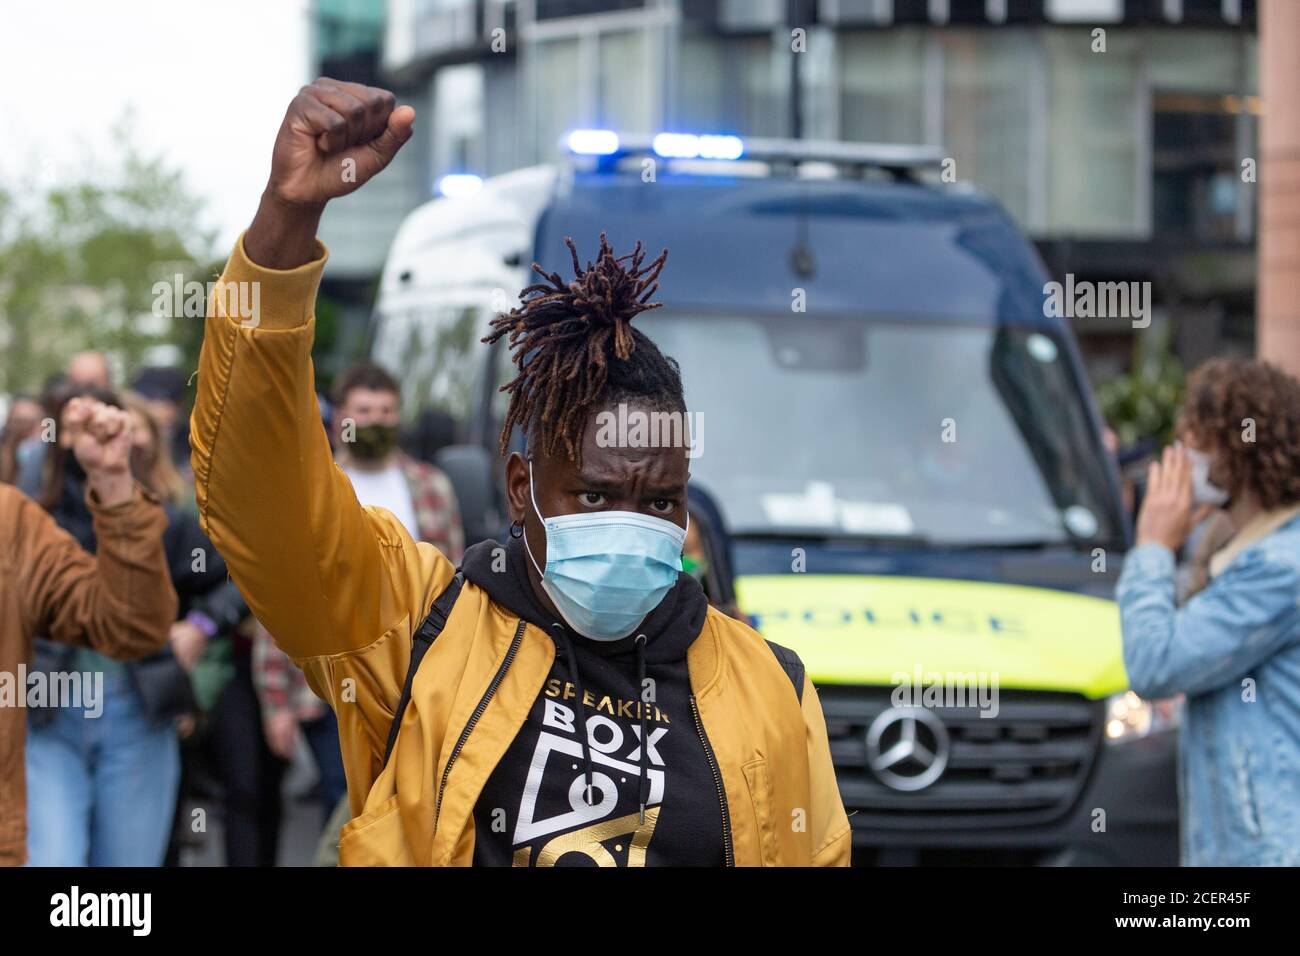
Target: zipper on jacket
{"x": 728, "y": 856}
{"x": 474, "y": 717}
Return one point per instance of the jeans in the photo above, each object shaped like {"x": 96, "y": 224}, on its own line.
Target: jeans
{"x": 101, "y": 791}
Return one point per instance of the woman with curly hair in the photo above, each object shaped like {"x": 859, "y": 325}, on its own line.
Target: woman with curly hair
{"x": 1234, "y": 648}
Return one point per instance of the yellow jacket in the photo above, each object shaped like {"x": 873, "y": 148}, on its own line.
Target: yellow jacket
{"x": 342, "y": 588}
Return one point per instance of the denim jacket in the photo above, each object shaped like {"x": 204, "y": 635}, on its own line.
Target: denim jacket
{"x": 1234, "y": 650}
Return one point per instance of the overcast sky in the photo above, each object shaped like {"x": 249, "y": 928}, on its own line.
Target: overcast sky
{"x": 207, "y": 80}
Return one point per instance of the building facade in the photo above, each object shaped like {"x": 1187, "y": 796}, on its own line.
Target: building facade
{"x": 1120, "y": 134}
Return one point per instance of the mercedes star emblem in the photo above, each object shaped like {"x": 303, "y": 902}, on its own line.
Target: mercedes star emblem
{"x": 907, "y": 748}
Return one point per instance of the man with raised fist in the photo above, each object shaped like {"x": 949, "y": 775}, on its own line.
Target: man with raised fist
{"x": 568, "y": 698}
{"x": 118, "y": 601}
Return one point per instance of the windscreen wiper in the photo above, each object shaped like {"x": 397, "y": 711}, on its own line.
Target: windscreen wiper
{"x": 1030, "y": 544}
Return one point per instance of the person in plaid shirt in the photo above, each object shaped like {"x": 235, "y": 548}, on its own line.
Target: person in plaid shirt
{"x": 367, "y": 409}
{"x": 290, "y": 710}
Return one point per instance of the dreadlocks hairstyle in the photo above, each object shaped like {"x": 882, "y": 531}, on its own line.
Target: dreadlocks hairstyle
{"x": 576, "y": 349}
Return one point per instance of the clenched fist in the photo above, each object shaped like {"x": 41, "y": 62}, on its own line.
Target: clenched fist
{"x": 334, "y": 138}
{"x": 100, "y": 437}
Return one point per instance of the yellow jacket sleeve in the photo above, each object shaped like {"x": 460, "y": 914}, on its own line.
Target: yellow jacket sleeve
{"x": 324, "y": 575}
{"x": 832, "y": 836}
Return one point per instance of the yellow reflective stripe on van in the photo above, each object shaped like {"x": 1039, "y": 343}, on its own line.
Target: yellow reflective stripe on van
{"x": 880, "y": 630}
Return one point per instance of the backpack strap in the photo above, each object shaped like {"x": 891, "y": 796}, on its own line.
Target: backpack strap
{"x": 792, "y": 666}
{"x": 420, "y": 643}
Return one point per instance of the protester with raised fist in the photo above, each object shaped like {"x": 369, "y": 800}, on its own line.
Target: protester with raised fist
{"x": 118, "y": 601}
{"x": 106, "y": 797}
{"x": 568, "y": 698}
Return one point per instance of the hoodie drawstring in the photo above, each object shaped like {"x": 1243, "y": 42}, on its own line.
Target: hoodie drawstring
{"x": 576, "y": 677}
{"x": 644, "y": 791}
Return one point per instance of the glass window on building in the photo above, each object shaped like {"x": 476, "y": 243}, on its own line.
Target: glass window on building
{"x": 730, "y": 84}
{"x": 1250, "y": 54}
{"x": 882, "y": 86}
{"x": 1203, "y": 123}
{"x": 596, "y": 78}
{"x": 346, "y": 38}
{"x": 558, "y": 93}
{"x": 458, "y": 133}
{"x": 1195, "y": 61}
{"x": 1196, "y": 176}
{"x": 987, "y": 111}
{"x": 626, "y": 92}
{"x": 1093, "y": 135}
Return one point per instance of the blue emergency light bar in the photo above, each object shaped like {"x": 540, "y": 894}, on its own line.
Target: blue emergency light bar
{"x": 691, "y": 146}
{"x": 456, "y": 185}
{"x": 605, "y": 142}
{"x": 608, "y": 147}
{"x": 593, "y": 142}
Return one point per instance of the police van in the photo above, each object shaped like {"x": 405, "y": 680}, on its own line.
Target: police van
{"x": 900, "y": 468}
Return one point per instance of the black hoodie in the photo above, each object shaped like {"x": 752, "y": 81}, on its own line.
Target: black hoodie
{"x": 653, "y": 806}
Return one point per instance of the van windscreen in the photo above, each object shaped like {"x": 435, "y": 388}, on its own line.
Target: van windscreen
{"x": 954, "y": 434}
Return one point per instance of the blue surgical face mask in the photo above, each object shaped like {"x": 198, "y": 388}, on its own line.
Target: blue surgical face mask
{"x": 606, "y": 570}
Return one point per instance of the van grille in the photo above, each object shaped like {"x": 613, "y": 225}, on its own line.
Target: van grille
{"x": 1025, "y": 766}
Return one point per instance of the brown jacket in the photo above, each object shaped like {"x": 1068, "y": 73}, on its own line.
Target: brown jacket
{"x": 119, "y": 602}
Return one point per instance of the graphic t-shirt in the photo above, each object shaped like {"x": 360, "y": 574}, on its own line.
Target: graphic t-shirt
{"x": 533, "y": 809}
{"x": 532, "y": 812}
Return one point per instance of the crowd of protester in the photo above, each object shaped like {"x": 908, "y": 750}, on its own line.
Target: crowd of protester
{"x": 201, "y": 711}
{"x": 211, "y": 717}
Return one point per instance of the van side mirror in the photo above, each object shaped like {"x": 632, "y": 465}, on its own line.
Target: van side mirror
{"x": 470, "y": 469}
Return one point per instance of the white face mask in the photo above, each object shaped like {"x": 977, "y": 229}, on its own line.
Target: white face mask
{"x": 1204, "y": 492}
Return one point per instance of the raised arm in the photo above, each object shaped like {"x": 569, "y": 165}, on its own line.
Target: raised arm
{"x": 323, "y": 574}
{"x": 118, "y": 601}
{"x": 1224, "y": 632}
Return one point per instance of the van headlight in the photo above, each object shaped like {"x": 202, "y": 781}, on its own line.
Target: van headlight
{"x": 1129, "y": 717}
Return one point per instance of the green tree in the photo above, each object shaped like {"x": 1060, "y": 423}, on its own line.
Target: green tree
{"x": 79, "y": 263}
{"x": 1144, "y": 402}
